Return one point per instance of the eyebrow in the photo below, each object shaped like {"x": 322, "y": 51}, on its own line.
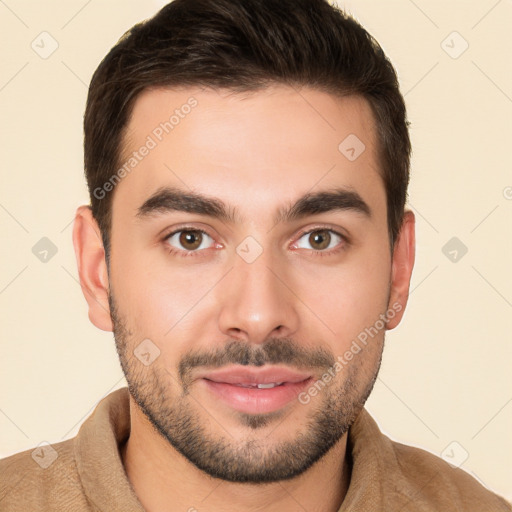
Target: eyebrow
{"x": 171, "y": 199}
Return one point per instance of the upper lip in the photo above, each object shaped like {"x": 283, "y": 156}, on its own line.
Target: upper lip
{"x": 244, "y": 375}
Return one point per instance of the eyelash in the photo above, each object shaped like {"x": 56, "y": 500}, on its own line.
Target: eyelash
{"x": 185, "y": 254}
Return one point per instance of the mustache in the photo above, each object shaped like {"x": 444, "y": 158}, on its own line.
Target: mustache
{"x": 274, "y": 351}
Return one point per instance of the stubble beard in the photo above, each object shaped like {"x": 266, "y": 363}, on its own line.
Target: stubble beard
{"x": 176, "y": 415}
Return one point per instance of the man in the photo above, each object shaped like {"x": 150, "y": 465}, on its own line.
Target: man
{"x": 247, "y": 243}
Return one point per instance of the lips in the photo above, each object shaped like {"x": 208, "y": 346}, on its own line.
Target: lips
{"x": 255, "y": 391}
{"x": 243, "y": 376}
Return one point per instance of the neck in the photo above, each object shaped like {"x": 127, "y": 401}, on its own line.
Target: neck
{"x": 165, "y": 481}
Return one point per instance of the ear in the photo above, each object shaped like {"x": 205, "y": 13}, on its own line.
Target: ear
{"x": 92, "y": 267}
{"x": 402, "y": 265}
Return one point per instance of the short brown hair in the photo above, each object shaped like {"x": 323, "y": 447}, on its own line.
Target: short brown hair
{"x": 245, "y": 45}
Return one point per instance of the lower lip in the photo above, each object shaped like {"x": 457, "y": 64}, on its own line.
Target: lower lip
{"x": 255, "y": 400}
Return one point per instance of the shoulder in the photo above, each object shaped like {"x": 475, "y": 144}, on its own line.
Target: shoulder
{"x": 423, "y": 476}
{"x": 401, "y": 477}
{"x": 45, "y": 476}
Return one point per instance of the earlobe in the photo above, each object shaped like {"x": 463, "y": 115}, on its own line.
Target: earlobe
{"x": 92, "y": 267}
{"x": 402, "y": 266}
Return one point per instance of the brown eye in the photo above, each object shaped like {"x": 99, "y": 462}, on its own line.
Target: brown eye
{"x": 189, "y": 240}
{"x": 320, "y": 240}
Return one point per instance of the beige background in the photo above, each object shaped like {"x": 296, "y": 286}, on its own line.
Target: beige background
{"x": 446, "y": 372}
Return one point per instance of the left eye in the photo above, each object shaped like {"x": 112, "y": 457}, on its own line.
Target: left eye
{"x": 189, "y": 239}
{"x": 320, "y": 239}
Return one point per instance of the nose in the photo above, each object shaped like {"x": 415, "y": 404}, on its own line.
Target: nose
{"x": 257, "y": 301}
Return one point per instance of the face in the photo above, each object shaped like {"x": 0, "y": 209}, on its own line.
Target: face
{"x": 250, "y": 257}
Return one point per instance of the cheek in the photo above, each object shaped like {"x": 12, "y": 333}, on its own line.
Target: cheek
{"x": 349, "y": 297}
{"x": 171, "y": 302}
{"x": 166, "y": 302}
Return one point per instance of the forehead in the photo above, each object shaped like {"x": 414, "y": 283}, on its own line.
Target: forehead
{"x": 250, "y": 148}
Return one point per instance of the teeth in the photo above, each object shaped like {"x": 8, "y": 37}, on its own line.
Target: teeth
{"x": 261, "y": 386}
{"x": 269, "y": 385}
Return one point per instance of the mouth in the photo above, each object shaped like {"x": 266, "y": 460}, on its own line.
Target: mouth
{"x": 255, "y": 391}
{"x": 270, "y": 385}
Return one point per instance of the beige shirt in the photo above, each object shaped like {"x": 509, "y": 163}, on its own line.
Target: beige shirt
{"x": 86, "y": 473}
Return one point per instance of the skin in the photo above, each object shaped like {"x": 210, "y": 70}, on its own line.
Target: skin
{"x": 256, "y": 152}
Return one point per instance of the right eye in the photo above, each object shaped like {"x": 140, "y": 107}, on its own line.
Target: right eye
{"x": 187, "y": 241}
